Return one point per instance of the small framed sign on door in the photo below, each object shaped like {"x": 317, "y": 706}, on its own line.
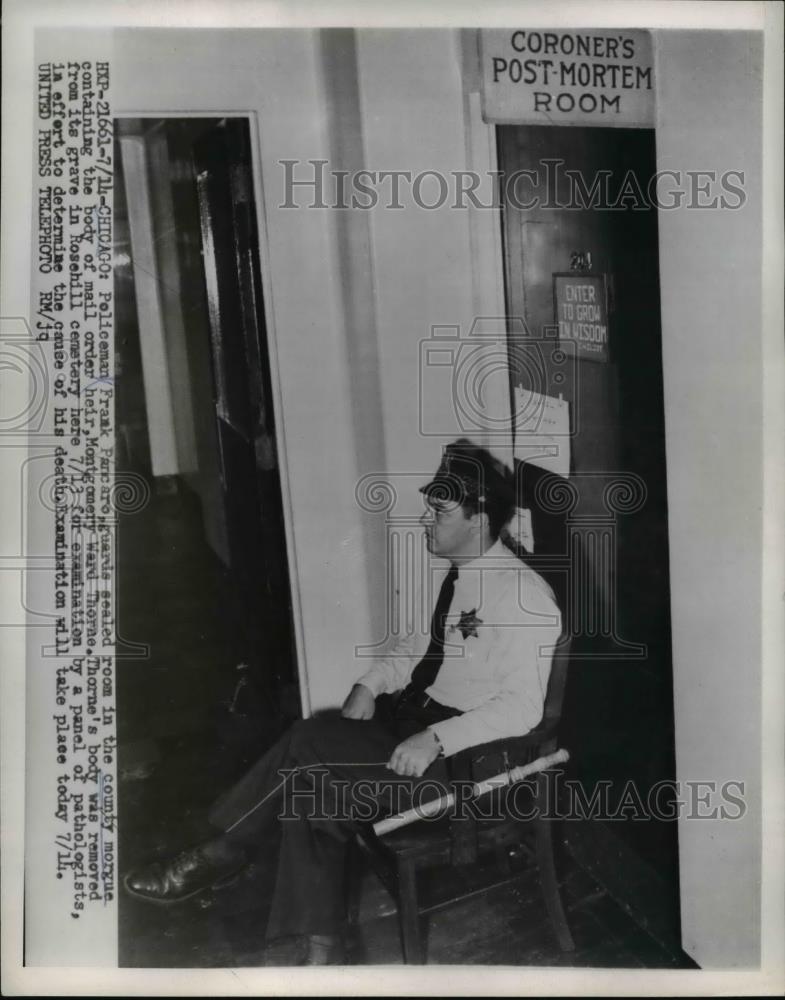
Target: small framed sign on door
{"x": 580, "y": 302}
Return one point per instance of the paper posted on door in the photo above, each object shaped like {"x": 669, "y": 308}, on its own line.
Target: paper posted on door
{"x": 542, "y": 431}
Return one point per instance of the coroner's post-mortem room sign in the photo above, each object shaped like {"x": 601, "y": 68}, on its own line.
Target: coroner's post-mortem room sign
{"x": 599, "y": 77}
{"x": 581, "y": 307}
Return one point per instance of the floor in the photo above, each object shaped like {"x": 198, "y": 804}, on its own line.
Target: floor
{"x": 177, "y": 751}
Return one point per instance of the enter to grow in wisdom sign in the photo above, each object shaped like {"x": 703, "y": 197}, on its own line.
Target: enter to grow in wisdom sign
{"x": 600, "y": 77}
{"x": 581, "y": 307}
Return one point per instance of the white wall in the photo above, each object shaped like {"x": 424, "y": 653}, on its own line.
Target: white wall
{"x": 427, "y": 272}
{"x": 437, "y": 273}
{"x": 709, "y": 117}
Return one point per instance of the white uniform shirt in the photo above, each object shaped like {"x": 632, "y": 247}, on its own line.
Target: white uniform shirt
{"x": 500, "y": 631}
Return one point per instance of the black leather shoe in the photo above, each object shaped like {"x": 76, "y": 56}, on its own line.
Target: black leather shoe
{"x": 185, "y": 875}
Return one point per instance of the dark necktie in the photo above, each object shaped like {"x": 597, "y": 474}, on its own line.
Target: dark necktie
{"x": 424, "y": 674}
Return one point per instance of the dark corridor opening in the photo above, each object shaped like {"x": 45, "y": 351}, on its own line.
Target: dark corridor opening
{"x": 206, "y": 665}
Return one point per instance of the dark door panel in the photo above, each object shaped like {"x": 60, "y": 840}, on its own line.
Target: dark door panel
{"x": 619, "y": 706}
{"x": 242, "y": 403}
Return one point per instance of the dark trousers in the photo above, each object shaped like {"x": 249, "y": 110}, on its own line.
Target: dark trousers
{"x": 314, "y": 781}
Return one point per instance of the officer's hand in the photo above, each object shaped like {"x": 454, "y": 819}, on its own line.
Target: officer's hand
{"x": 414, "y": 755}
{"x": 360, "y": 703}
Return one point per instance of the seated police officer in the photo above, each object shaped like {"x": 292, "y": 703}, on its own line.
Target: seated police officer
{"x": 479, "y": 674}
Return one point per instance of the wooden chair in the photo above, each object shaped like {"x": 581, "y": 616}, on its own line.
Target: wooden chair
{"x": 431, "y": 856}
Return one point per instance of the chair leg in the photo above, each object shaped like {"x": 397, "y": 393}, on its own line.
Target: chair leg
{"x": 409, "y": 916}
{"x": 550, "y": 884}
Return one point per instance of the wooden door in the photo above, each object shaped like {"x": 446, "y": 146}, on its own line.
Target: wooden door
{"x": 619, "y": 703}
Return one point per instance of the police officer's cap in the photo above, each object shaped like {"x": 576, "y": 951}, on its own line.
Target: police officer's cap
{"x": 469, "y": 473}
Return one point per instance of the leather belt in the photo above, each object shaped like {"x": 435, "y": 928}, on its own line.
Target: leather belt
{"x": 413, "y": 698}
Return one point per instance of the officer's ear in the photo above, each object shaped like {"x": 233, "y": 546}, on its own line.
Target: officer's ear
{"x": 480, "y": 520}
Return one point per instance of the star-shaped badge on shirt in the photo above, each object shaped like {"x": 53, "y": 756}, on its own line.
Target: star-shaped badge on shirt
{"x": 468, "y": 623}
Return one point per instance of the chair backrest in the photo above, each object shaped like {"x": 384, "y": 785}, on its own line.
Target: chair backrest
{"x": 554, "y": 697}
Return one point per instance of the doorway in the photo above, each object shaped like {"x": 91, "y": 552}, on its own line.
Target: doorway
{"x": 196, "y": 420}
{"x": 578, "y": 209}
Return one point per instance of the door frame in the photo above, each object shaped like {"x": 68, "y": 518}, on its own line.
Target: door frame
{"x": 272, "y": 348}
{"x": 651, "y": 898}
